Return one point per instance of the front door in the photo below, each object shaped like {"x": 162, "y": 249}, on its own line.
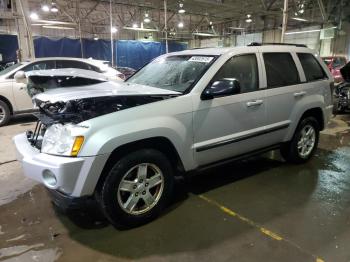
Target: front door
{"x": 231, "y": 125}
{"x": 22, "y": 98}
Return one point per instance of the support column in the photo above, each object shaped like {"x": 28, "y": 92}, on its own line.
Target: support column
{"x": 25, "y": 39}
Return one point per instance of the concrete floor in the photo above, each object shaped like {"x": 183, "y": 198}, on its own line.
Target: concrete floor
{"x": 261, "y": 209}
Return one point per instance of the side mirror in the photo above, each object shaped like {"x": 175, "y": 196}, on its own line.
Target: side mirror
{"x": 20, "y": 77}
{"x": 224, "y": 87}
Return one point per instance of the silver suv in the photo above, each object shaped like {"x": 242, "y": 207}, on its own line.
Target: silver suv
{"x": 122, "y": 143}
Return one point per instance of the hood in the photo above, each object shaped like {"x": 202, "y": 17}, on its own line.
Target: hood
{"x": 101, "y": 90}
{"x": 345, "y": 72}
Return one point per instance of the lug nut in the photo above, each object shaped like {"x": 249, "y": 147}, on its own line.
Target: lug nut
{"x": 146, "y": 184}
{"x": 134, "y": 187}
{"x": 136, "y": 194}
{"x": 144, "y": 193}
{"x": 140, "y": 181}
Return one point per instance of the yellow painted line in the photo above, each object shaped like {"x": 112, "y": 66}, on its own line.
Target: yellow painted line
{"x": 263, "y": 230}
{"x": 242, "y": 218}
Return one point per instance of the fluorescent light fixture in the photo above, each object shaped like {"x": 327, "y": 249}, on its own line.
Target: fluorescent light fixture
{"x": 45, "y": 8}
{"x": 299, "y": 19}
{"x": 140, "y": 29}
{"x": 249, "y": 15}
{"x": 34, "y": 16}
{"x": 55, "y": 22}
{"x": 249, "y": 20}
{"x": 95, "y": 38}
{"x": 114, "y": 30}
{"x": 237, "y": 28}
{"x": 204, "y": 34}
{"x": 58, "y": 27}
{"x": 134, "y": 25}
{"x": 147, "y": 20}
{"x": 180, "y": 25}
{"x": 302, "y": 32}
{"x": 210, "y": 22}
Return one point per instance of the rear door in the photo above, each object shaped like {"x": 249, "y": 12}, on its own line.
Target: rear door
{"x": 284, "y": 89}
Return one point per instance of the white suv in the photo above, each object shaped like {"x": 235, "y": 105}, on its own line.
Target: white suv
{"x": 14, "y": 99}
{"x": 183, "y": 111}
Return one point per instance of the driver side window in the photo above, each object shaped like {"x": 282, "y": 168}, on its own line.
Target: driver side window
{"x": 244, "y": 68}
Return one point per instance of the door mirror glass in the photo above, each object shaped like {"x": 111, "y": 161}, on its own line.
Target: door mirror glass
{"x": 20, "y": 77}
{"x": 223, "y": 87}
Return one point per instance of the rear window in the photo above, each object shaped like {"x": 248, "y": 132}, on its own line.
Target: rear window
{"x": 280, "y": 70}
{"x": 312, "y": 69}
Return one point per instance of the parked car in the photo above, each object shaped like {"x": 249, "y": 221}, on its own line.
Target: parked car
{"x": 40, "y": 81}
{"x": 334, "y": 63}
{"x": 126, "y": 72}
{"x": 342, "y": 92}
{"x": 184, "y": 111}
{"x": 14, "y": 99}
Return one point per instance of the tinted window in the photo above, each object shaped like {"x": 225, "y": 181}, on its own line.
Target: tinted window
{"x": 312, "y": 69}
{"x": 280, "y": 70}
{"x": 76, "y": 64}
{"x": 243, "y": 68}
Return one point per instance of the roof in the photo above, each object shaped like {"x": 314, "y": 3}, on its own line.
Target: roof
{"x": 224, "y": 50}
{"x": 71, "y": 58}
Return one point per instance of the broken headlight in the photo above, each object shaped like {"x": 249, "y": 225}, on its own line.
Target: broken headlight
{"x": 59, "y": 140}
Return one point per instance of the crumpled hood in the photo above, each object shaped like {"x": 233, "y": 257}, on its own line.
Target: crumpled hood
{"x": 345, "y": 72}
{"x": 101, "y": 90}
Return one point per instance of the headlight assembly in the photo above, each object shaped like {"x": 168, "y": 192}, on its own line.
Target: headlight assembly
{"x": 58, "y": 140}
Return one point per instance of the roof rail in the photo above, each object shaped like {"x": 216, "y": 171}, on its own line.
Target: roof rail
{"x": 261, "y": 44}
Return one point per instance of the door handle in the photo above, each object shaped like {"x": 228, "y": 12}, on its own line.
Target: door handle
{"x": 299, "y": 94}
{"x": 21, "y": 88}
{"x": 254, "y": 103}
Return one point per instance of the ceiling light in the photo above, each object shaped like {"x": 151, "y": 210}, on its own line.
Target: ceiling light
{"x": 45, "y": 8}
{"x": 140, "y": 29}
{"x": 299, "y": 19}
{"x": 210, "y": 23}
{"x": 204, "y": 34}
{"x": 249, "y": 20}
{"x": 302, "y": 32}
{"x": 236, "y": 28}
{"x": 301, "y": 11}
{"x": 58, "y": 27}
{"x": 34, "y": 16}
{"x": 54, "y": 8}
{"x": 180, "y": 25}
{"x": 135, "y": 25}
{"x": 95, "y": 38}
{"x": 181, "y": 8}
{"x": 114, "y": 30}
{"x": 249, "y": 15}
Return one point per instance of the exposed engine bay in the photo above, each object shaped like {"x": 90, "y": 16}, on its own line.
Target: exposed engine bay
{"x": 342, "y": 91}
{"x": 79, "y": 110}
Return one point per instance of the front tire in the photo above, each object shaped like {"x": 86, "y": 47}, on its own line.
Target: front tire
{"x": 4, "y": 113}
{"x": 304, "y": 142}
{"x": 137, "y": 188}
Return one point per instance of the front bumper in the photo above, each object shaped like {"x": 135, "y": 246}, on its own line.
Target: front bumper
{"x": 67, "y": 203}
{"x": 74, "y": 176}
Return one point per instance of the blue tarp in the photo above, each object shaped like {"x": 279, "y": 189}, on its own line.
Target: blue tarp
{"x": 129, "y": 53}
{"x": 8, "y": 47}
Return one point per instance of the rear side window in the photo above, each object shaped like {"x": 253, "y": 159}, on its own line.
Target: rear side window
{"x": 280, "y": 70}
{"x": 312, "y": 69}
{"x": 76, "y": 64}
{"x": 244, "y": 68}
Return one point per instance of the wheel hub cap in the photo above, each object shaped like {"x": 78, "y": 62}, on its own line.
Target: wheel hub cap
{"x": 140, "y": 189}
{"x": 306, "y": 141}
{"x": 2, "y": 114}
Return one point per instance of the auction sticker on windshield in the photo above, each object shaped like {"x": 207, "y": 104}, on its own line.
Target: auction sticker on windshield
{"x": 201, "y": 59}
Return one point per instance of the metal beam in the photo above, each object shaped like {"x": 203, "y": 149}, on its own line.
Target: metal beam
{"x": 322, "y": 10}
{"x": 92, "y": 9}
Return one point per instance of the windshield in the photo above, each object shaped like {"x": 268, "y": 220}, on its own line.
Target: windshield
{"x": 176, "y": 73}
{"x": 9, "y": 69}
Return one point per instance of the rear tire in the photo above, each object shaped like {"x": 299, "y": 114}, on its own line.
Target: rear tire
{"x": 304, "y": 142}
{"x": 137, "y": 188}
{"x": 5, "y": 113}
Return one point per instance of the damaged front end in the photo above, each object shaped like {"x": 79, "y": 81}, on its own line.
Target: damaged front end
{"x": 342, "y": 92}
{"x": 79, "y": 110}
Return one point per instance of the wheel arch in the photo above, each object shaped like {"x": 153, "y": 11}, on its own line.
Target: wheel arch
{"x": 161, "y": 144}
{"x": 5, "y": 100}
